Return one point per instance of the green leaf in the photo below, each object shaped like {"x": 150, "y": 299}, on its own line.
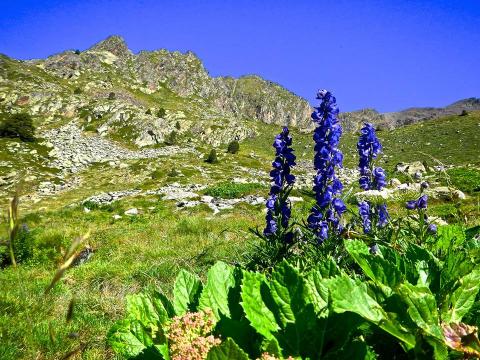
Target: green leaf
{"x": 328, "y": 268}
{"x": 460, "y": 301}
{"x": 227, "y": 350}
{"x": 186, "y": 292}
{"x": 349, "y": 295}
{"x": 220, "y": 279}
{"x": 375, "y": 267}
{"x": 319, "y": 291}
{"x": 292, "y": 304}
{"x": 259, "y": 315}
{"x": 140, "y": 307}
{"x": 427, "y": 266}
{"x": 163, "y": 306}
{"x": 356, "y": 349}
{"x": 289, "y": 293}
{"x": 123, "y": 341}
{"x": 422, "y": 308}
{"x": 272, "y": 347}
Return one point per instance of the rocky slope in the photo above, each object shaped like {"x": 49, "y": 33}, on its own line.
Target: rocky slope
{"x": 143, "y": 98}
{"x": 158, "y": 96}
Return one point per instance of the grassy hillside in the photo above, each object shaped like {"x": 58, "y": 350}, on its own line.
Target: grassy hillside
{"x": 146, "y": 251}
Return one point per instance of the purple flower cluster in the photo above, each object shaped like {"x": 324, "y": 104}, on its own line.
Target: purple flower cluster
{"x": 420, "y": 203}
{"x": 327, "y": 187}
{"x": 371, "y": 178}
{"x": 278, "y": 207}
{"x": 368, "y": 149}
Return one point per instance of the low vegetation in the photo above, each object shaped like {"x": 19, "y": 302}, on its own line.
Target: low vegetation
{"x": 18, "y": 125}
{"x": 406, "y": 287}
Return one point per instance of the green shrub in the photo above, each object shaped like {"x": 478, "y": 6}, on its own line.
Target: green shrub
{"x": 112, "y": 96}
{"x": 77, "y": 91}
{"x": 18, "y": 125}
{"x": 212, "y": 157}
{"x": 77, "y": 52}
{"x": 464, "y": 113}
{"x": 233, "y": 147}
{"x": 157, "y": 174}
{"x": 90, "y": 127}
{"x": 171, "y": 139}
{"x": 177, "y": 125}
{"x": 228, "y": 190}
{"x": 148, "y": 112}
{"x": 173, "y": 173}
{"x": 23, "y": 247}
{"x": 161, "y": 113}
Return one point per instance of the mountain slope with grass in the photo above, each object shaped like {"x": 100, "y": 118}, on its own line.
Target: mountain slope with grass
{"x": 122, "y": 153}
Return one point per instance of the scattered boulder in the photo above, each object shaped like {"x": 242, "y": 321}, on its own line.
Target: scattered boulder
{"x": 411, "y": 168}
{"x": 395, "y": 182}
{"x": 131, "y": 212}
{"x": 446, "y": 193}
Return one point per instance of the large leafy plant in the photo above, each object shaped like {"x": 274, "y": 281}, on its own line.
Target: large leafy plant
{"x": 401, "y": 305}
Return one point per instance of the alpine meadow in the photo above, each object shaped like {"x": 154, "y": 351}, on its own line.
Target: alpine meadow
{"x": 152, "y": 210}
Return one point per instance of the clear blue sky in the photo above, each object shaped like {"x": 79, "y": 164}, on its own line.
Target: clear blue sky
{"x": 383, "y": 54}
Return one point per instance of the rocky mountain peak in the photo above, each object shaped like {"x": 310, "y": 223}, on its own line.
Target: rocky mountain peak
{"x": 114, "y": 44}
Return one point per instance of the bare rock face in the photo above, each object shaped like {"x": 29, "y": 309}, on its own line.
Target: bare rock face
{"x": 152, "y": 97}
{"x": 147, "y": 98}
{"x": 114, "y": 44}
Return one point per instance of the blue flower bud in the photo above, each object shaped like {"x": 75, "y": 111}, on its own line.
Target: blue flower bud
{"x": 432, "y": 229}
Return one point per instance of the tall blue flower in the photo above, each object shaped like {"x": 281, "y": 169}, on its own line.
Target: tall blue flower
{"x": 371, "y": 178}
{"x": 328, "y": 209}
{"x": 278, "y": 207}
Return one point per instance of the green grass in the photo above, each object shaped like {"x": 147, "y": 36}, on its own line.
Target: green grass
{"x": 452, "y": 140}
{"x": 467, "y": 180}
{"x": 233, "y": 190}
{"x": 130, "y": 254}
{"x": 146, "y": 252}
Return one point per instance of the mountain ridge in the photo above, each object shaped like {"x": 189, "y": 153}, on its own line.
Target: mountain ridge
{"x": 78, "y": 86}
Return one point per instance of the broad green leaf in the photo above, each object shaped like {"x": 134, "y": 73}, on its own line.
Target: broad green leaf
{"x": 240, "y": 331}
{"x": 328, "y": 268}
{"x": 472, "y": 232}
{"x": 349, "y": 295}
{"x": 356, "y": 349}
{"x": 460, "y": 301}
{"x": 291, "y": 303}
{"x": 123, "y": 341}
{"x": 260, "y": 317}
{"x": 339, "y": 331}
{"x": 449, "y": 235}
{"x": 289, "y": 293}
{"x": 272, "y": 347}
{"x": 375, "y": 267}
{"x": 227, "y": 350}
{"x": 220, "y": 279}
{"x": 422, "y": 308}
{"x": 128, "y": 338}
{"x": 319, "y": 292}
{"x": 140, "y": 307}
{"x": 186, "y": 292}
{"x": 163, "y": 350}
{"x": 400, "y": 262}
{"x": 163, "y": 306}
